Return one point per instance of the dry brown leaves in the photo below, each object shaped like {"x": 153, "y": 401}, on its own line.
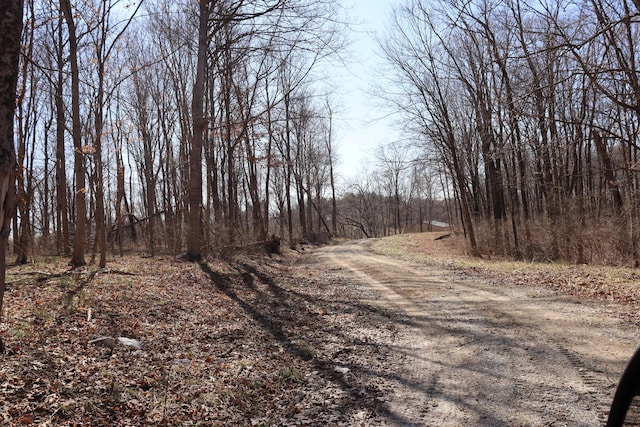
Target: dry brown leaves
{"x": 249, "y": 342}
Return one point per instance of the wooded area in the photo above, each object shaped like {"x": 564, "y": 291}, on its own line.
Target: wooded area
{"x": 188, "y": 128}
{"x": 532, "y": 108}
{"x": 201, "y": 119}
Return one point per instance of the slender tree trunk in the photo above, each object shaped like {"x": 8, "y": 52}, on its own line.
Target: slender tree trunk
{"x": 232, "y": 181}
{"x": 120, "y": 197}
{"x": 267, "y": 179}
{"x": 150, "y": 181}
{"x": 169, "y": 180}
{"x": 334, "y": 206}
{"x": 77, "y": 258}
{"x": 309, "y": 210}
{"x": 101, "y": 227}
{"x": 45, "y": 203}
{"x": 302, "y": 212}
{"x": 63, "y": 244}
{"x": 27, "y": 123}
{"x": 11, "y": 24}
{"x": 22, "y": 202}
{"x": 258, "y": 223}
{"x": 148, "y": 166}
{"x": 211, "y": 161}
{"x": 287, "y": 186}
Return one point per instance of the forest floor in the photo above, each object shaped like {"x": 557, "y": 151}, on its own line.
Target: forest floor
{"x": 315, "y": 337}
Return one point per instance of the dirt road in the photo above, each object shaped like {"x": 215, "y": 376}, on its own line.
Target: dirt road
{"x": 489, "y": 354}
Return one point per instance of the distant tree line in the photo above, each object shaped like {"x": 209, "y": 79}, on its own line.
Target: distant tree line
{"x": 397, "y": 193}
{"x": 532, "y": 109}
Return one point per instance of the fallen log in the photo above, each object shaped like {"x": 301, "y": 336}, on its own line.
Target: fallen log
{"x": 444, "y": 236}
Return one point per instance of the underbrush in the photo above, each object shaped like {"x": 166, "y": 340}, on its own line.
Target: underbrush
{"x": 607, "y": 239}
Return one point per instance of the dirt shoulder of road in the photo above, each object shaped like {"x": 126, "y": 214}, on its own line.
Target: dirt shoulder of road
{"x": 618, "y": 285}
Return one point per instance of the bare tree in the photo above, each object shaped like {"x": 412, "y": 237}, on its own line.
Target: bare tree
{"x": 77, "y": 258}
{"x": 331, "y": 157}
{"x": 11, "y": 23}
{"x": 194, "y": 240}
{"x": 104, "y": 45}
{"x": 394, "y": 162}
{"x": 27, "y": 120}
{"x": 62, "y": 211}
{"x": 428, "y": 99}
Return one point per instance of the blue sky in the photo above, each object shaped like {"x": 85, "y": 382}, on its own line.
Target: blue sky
{"x": 360, "y": 129}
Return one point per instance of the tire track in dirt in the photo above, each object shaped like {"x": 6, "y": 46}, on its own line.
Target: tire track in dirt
{"x": 477, "y": 353}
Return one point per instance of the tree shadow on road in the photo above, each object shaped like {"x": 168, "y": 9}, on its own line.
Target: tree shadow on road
{"x": 301, "y": 322}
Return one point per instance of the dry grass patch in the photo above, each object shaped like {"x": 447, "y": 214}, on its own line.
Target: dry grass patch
{"x": 612, "y": 284}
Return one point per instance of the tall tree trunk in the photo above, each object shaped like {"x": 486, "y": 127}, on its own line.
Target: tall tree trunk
{"x": 22, "y": 197}
{"x": 194, "y": 244}
{"x": 27, "y": 122}
{"x": 258, "y": 224}
{"x": 150, "y": 181}
{"x": 334, "y": 206}
{"x": 287, "y": 185}
{"x": 120, "y": 197}
{"x": 214, "y": 171}
{"x": 63, "y": 244}
{"x": 101, "y": 226}
{"x": 267, "y": 179}
{"x": 45, "y": 203}
{"x": 11, "y": 24}
{"x": 77, "y": 258}
{"x": 169, "y": 179}
{"x": 232, "y": 222}
{"x": 148, "y": 171}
